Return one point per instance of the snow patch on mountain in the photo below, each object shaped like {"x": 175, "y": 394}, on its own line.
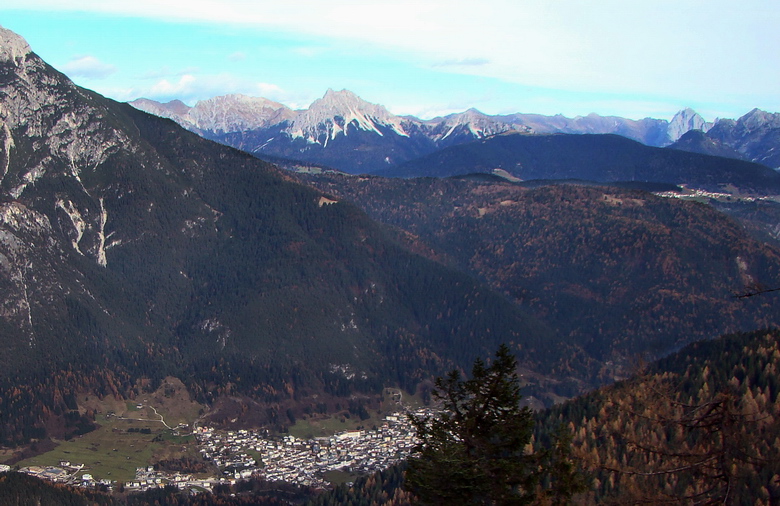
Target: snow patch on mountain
{"x": 76, "y": 219}
{"x": 269, "y": 128}
{"x": 71, "y": 136}
{"x": 8, "y": 143}
{"x": 478, "y": 124}
{"x": 336, "y": 111}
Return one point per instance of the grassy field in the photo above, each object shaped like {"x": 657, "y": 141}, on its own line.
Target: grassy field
{"x": 394, "y": 401}
{"x": 339, "y": 477}
{"x": 109, "y": 452}
{"x": 117, "y": 447}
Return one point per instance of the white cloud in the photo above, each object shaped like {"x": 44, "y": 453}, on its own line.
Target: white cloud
{"x": 184, "y": 87}
{"x": 89, "y": 67}
{"x": 237, "y": 56}
{"x": 268, "y": 90}
{"x": 191, "y": 87}
{"x": 309, "y": 51}
{"x": 665, "y": 47}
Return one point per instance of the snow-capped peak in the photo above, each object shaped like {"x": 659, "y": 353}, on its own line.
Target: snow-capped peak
{"x": 470, "y": 116}
{"x": 13, "y": 47}
{"x": 333, "y": 113}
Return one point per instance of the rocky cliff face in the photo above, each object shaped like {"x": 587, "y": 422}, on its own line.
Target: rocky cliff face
{"x": 219, "y": 115}
{"x": 685, "y": 121}
{"x": 65, "y": 177}
{"x": 753, "y": 137}
{"x": 46, "y": 141}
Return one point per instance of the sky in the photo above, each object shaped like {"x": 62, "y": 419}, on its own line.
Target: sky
{"x": 630, "y": 58}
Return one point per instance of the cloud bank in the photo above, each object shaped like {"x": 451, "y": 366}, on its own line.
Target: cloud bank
{"x": 685, "y": 46}
{"x": 89, "y": 67}
{"x": 714, "y": 51}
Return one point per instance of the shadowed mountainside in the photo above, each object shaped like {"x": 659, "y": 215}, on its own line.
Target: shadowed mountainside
{"x": 602, "y": 158}
{"x": 619, "y": 273}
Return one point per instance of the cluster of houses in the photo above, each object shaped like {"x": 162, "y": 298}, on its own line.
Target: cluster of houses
{"x": 148, "y": 477}
{"x": 145, "y": 478}
{"x": 304, "y": 461}
{"x": 244, "y": 454}
{"x": 695, "y": 193}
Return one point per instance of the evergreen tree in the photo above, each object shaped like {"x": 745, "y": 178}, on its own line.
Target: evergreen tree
{"x": 477, "y": 450}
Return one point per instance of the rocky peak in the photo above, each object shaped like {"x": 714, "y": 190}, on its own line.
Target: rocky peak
{"x": 175, "y": 110}
{"x": 343, "y": 98}
{"x": 757, "y": 119}
{"x": 50, "y": 132}
{"x": 177, "y": 106}
{"x": 237, "y": 113}
{"x": 685, "y": 121}
{"x": 470, "y": 116}
{"x": 332, "y": 114}
{"x": 346, "y": 104}
{"x": 13, "y": 47}
{"x": 478, "y": 124}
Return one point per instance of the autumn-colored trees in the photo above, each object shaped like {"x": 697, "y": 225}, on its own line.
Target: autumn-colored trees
{"x": 701, "y": 427}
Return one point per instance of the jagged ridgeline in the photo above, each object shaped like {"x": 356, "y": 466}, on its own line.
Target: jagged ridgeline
{"x": 132, "y": 248}
{"x": 700, "y": 426}
{"x": 345, "y": 132}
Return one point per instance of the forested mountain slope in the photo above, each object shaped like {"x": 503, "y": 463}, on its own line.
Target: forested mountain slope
{"x": 619, "y": 273}
{"x": 602, "y": 158}
{"x": 131, "y": 248}
{"x": 700, "y": 426}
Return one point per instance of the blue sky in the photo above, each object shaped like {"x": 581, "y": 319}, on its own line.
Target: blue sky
{"x": 422, "y": 57}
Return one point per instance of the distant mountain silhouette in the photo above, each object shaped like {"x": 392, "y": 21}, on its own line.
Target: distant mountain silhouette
{"x": 603, "y": 158}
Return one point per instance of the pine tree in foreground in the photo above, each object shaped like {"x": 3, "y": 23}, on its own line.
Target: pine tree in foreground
{"x": 477, "y": 450}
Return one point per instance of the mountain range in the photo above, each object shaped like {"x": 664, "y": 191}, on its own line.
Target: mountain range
{"x": 755, "y": 137}
{"x": 132, "y": 249}
{"x": 345, "y": 132}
